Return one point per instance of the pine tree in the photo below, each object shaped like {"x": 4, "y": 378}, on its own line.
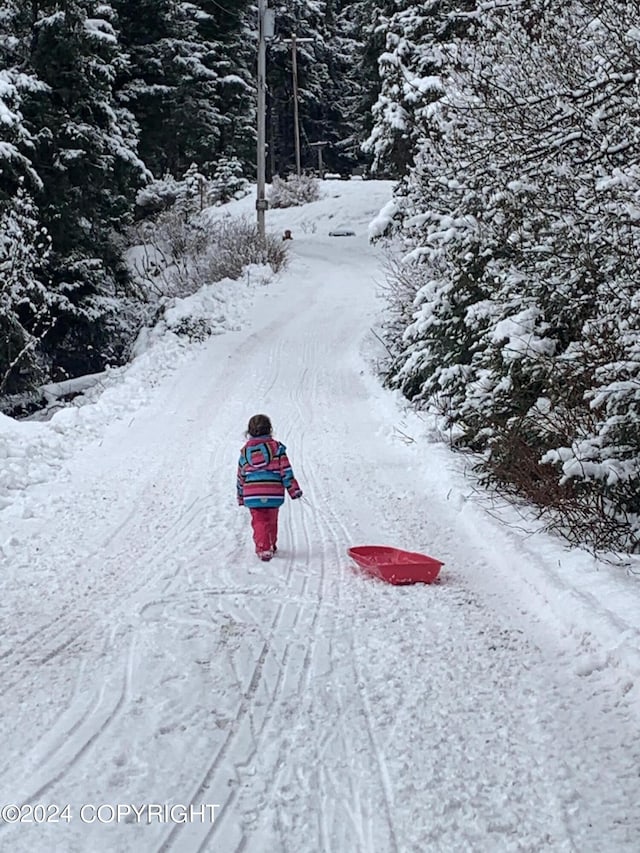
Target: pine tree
{"x": 84, "y": 151}
{"x": 360, "y": 26}
{"x": 170, "y": 85}
{"x": 521, "y": 212}
{"x": 418, "y": 46}
{"x": 229, "y": 33}
{"x": 16, "y": 144}
{"x": 26, "y": 302}
{"x": 325, "y": 77}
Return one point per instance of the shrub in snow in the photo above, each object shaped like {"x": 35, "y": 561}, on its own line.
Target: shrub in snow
{"x": 194, "y": 328}
{"x": 294, "y": 191}
{"x": 228, "y": 181}
{"x": 235, "y": 244}
{"x": 178, "y": 236}
{"x": 194, "y": 191}
{"x": 157, "y": 196}
{"x": 180, "y": 256}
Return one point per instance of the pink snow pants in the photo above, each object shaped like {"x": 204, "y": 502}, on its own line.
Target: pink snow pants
{"x": 265, "y": 528}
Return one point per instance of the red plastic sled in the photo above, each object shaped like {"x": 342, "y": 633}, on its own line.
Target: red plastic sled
{"x": 394, "y": 565}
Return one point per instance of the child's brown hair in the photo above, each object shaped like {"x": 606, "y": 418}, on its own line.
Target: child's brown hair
{"x": 259, "y": 425}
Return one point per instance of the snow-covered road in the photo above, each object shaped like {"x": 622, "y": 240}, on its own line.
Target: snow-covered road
{"x": 147, "y": 657}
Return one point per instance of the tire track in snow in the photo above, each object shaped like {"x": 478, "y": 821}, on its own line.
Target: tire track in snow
{"x": 307, "y": 411}
{"x": 284, "y": 670}
{"x": 330, "y": 520}
{"x": 328, "y": 541}
{"x": 281, "y": 690}
{"x": 72, "y": 740}
{"x": 59, "y": 634}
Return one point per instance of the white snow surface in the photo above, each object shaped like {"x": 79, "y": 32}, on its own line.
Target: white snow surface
{"x": 148, "y": 659}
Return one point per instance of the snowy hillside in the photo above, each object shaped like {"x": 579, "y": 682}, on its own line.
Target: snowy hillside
{"x": 150, "y": 662}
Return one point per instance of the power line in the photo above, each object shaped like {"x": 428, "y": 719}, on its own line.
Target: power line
{"x": 222, "y": 9}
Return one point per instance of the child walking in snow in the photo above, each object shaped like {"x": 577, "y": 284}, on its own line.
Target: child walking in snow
{"x": 264, "y": 472}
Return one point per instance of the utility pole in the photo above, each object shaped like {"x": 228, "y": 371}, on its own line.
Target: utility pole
{"x": 296, "y": 123}
{"x": 319, "y": 146}
{"x": 294, "y": 41}
{"x": 265, "y": 28}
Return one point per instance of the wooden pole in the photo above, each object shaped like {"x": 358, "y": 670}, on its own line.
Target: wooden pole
{"x": 296, "y": 120}
{"x": 261, "y": 203}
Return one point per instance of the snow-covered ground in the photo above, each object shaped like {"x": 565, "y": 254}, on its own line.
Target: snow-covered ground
{"x": 149, "y": 660}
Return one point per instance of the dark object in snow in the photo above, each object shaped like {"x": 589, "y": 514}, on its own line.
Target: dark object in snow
{"x": 287, "y": 235}
{"x": 394, "y": 565}
{"x": 342, "y": 232}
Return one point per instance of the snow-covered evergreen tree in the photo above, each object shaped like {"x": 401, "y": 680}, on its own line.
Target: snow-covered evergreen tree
{"x": 84, "y": 150}
{"x": 359, "y": 22}
{"x": 327, "y": 85}
{"x": 521, "y": 212}
{"x": 229, "y": 33}
{"x": 16, "y": 140}
{"x": 26, "y": 302}
{"x": 418, "y": 42}
{"x": 172, "y": 82}
{"x": 228, "y": 180}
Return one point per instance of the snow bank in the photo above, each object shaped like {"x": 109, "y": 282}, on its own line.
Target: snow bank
{"x": 33, "y": 451}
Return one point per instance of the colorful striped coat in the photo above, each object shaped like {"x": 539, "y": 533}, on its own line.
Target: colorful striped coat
{"x": 264, "y": 472}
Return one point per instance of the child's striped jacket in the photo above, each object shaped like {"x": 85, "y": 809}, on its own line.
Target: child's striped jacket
{"x": 264, "y": 472}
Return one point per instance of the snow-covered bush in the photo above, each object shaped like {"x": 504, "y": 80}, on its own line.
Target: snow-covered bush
{"x": 180, "y": 237}
{"x": 294, "y": 191}
{"x": 194, "y": 192}
{"x": 228, "y": 181}
{"x": 157, "y": 196}
{"x": 181, "y": 256}
{"x": 233, "y": 244}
